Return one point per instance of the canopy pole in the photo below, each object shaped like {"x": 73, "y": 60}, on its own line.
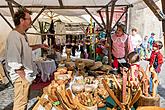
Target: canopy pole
{"x": 163, "y": 21}
{"x": 15, "y": 3}
{"x": 155, "y": 9}
{"x": 106, "y": 5}
{"x": 11, "y": 8}
{"x": 61, "y": 3}
{"x": 102, "y": 19}
{"x": 109, "y": 26}
{"x": 119, "y": 18}
{"x": 58, "y": 7}
{"x": 82, "y": 28}
{"x": 6, "y": 21}
{"x": 9, "y": 2}
{"x": 108, "y": 35}
{"x": 112, "y": 12}
{"x": 39, "y": 14}
{"x": 94, "y": 18}
{"x": 126, "y": 19}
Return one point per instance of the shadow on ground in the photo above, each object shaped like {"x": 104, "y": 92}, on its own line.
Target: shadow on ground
{"x": 9, "y": 107}
{"x": 160, "y": 89}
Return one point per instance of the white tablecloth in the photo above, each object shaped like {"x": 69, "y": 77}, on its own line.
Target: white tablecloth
{"x": 46, "y": 68}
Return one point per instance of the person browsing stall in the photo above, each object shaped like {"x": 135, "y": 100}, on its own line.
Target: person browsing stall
{"x": 19, "y": 58}
{"x": 121, "y": 45}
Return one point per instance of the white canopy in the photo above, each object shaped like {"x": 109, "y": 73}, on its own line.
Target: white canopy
{"x": 54, "y": 5}
{"x": 69, "y": 2}
{"x": 36, "y": 5}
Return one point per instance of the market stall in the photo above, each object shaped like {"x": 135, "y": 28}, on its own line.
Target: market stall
{"x": 84, "y": 84}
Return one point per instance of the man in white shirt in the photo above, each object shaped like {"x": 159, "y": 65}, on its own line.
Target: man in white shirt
{"x": 19, "y": 58}
{"x": 136, "y": 40}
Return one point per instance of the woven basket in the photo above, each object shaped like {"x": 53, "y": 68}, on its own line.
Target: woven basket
{"x": 149, "y": 101}
{"x": 150, "y": 108}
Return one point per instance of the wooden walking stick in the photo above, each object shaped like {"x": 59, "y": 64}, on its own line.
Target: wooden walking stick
{"x": 111, "y": 94}
{"x": 154, "y": 81}
{"x": 117, "y": 83}
{"x": 144, "y": 81}
{"x": 145, "y": 86}
{"x": 124, "y": 98}
{"x": 129, "y": 88}
{"x": 135, "y": 98}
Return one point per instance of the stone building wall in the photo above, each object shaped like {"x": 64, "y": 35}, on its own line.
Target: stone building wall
{"x": 141, "y": 17}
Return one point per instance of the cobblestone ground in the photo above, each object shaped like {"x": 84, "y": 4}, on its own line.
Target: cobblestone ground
{"x": 6, "y": 98}
{"x": 6, "y": 95}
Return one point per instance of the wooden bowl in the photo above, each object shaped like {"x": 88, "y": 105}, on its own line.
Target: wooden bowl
{"x": 97, "y": 65}
{"x": 88, "y": 62}
{"x": 106, "y": 68}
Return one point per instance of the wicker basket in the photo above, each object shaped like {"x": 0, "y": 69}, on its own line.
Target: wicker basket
{"x": 149, "y": 101}
{"x": 150, "y": 108}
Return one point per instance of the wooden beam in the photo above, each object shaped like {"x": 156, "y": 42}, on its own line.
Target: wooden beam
{"x": 124, "y": 84}
{"x": 109, "y": 26}
{"x": 112, "y": 12}
{"x": 107, "y": 19}
{"x": 119, "y": 19}
{"x": 106, "y": 5}
{"x": 38, "y": 14}
{"x": 58, "y": 7}
{"x": 163, "y": 21}
{"x": 11, "y": 9}
{"x": 108, "y": 35}
{"x": 102, "y": 19}
{"x": 82, "y": 28}
{"x": 126, "y": 19}
{"x": 18, "y": 5}
{"x": 94, "y": 18}
{"x": 155, "y": 9}
{"x": 6, "y": 21}
{"x": 61, "y": 3}
{"x": 163, "y": 9}
{"x": 15, "y": 3}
